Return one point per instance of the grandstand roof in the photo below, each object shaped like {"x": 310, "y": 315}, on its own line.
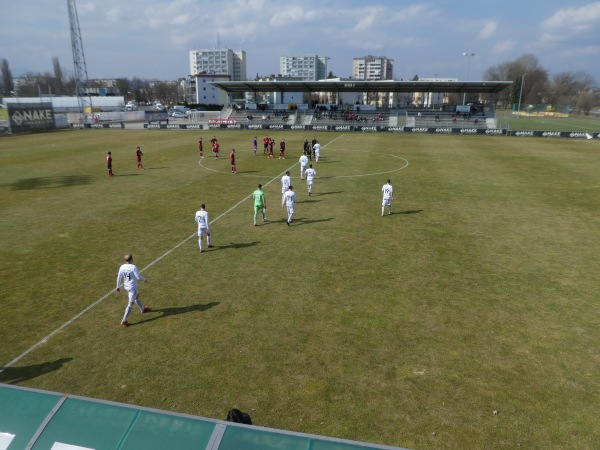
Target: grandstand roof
{"x": 467, "y": 87}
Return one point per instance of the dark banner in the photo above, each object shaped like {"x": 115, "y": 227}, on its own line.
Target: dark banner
{"x": 557, "y": 134}
{"x": 457, "y": 130}
{"x": 26, "y": 117}
{"x": 174, "y": 126}
{"x": 464, "y": 131}
{"x": 119, "y": 125}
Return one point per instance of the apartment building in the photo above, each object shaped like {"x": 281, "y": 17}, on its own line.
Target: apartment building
{"x": 219, "y": 61}
{"x": 306, "y": 67}
{"x": 373, "y": 68}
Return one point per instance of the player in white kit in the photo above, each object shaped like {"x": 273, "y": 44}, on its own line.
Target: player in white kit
{"x": 317, "y": 151}
{"x": 303, "y": 163}
{"x": 388, "y": 197}
{"x": 286, "y": 181}
{"x": 203, "y": 227}
{"x": 129, "y": 275}
{"x": 310, "y": 177}
{"x": 289, "y": 198}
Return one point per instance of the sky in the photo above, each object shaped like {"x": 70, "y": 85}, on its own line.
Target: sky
{"x": 151, "y": 39}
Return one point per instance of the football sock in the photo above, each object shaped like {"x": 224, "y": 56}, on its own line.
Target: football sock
{"x": 127, "y": 311}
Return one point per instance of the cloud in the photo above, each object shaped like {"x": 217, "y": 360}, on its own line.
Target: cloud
{"x": 411, "y": 14}
{"x": 488, "y": 30}
{"x": 569, "y": 22}
{"x": 367, "y": 19}
{"x": 113, "y": 14}
{"x": 86, "y": 8}
{"x": 504, "y": 47}
{"x": 288, "y": 16}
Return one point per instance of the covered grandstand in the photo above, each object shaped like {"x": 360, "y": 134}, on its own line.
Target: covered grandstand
{"x": 341, "y": 113}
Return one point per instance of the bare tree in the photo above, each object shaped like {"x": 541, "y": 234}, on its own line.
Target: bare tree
{"x": 7, "y": 78}
{"x": 165, "y": 93}
{"x": 529, "y": 78}
{"x": 535, "y": 85}
{"x": 500, "y": 72}
{"x": 58, "y": 76}
{"x": 122, "y": 86}
{"x": 567, "y": 87}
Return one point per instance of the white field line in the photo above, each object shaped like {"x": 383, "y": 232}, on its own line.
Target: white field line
{"x": 77, "y": 316}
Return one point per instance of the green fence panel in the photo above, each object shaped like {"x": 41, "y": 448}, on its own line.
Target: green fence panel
{"x": 247, "y": 438}
{"x": 97, "y": 426}
{"x": 21, "y": 414}
{"x": 155, "y": 431}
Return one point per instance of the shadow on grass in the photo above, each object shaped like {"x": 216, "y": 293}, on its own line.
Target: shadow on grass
{"x": 412, "y": 211}
{"x": 236, "y": 245}
{"x": 15, "y": 375}
{"x": 51, "y": 182}
{"x": 156, "y": 168}
{"x": 128, "y": 175}
{"x": 303, "y": 221}
{"x": 329, "y": 193}
{"x": 166, "y": 312}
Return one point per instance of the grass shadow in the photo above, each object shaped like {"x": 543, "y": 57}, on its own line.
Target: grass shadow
{"x": 303, "y": 221}
{"x": 166, "y": 312}
{"x": 15, "y": 375}
{"x": 412, "y": 211}
{"x": 51, "y": 182}
{"x": 236, "y": 245}
{"x": 329, "y": 193}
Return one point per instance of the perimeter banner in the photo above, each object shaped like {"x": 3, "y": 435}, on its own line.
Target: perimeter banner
{"x": 26, "y": 117}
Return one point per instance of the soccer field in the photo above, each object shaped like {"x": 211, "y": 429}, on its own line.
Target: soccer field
{"x": 468, "y": 318}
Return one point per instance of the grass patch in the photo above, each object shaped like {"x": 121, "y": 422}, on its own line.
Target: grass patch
{"x": 478, "y": 294}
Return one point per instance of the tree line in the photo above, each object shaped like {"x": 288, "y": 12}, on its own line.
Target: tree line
{"x": 58, "y": 83}
{"x": 532, "y": 84}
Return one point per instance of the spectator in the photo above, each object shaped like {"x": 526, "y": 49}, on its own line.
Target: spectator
{"x": 237, "y": 416}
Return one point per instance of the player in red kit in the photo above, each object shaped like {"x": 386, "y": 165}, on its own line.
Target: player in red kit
{"x": 200, "y": 148}
{"x": 215, "y": 146}
{"x": 232, "y": 160}
{"x": 266, "y": 145}
{"x": 109, "y": 164}
{"x": 138, "y": 155}
{"x": 282, "y": 149}
{"x": 271, "y": 144}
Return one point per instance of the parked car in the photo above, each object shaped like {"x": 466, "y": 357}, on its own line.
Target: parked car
{"x": 178, "y": 114}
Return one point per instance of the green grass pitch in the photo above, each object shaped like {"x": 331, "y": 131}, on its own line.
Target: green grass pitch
{"x": 469, "y": 318}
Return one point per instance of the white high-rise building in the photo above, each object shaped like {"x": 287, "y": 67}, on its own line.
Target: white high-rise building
{"x": 373, "y": 68}
{"x": 307, "y": 67}
{"x": 219, "y": 61}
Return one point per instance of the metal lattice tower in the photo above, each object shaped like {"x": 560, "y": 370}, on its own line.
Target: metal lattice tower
{"x": 81, "y": 76}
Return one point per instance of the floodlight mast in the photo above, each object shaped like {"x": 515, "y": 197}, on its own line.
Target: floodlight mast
{"x": 81, "y": 77}
{"x": 468, "y": 56}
